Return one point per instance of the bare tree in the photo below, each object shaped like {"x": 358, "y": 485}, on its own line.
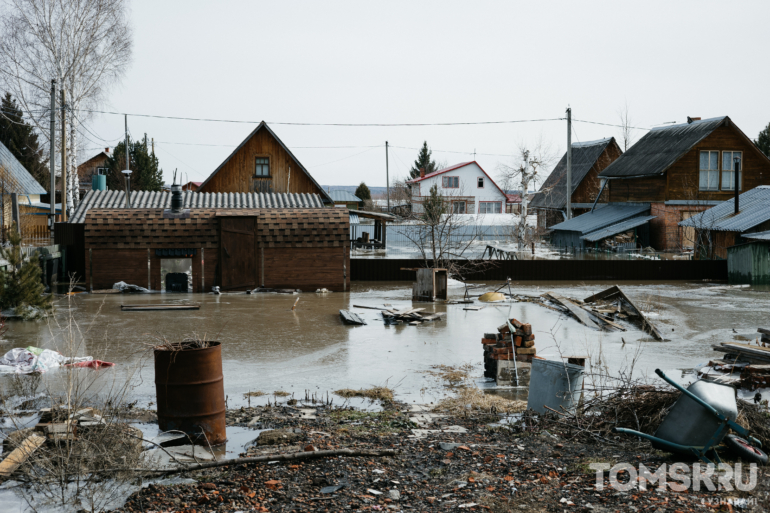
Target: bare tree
{"x": 626, "y": 128}
{"x": 85, "y": 45}
{"x": 528, "y": 170}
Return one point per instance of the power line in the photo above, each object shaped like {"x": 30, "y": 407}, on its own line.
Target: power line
{"x": 343, "y": 158}
{"x": 608, "y": 124}
{"x": 181, "y": 118}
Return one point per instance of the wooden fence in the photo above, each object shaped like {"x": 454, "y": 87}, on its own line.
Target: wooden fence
{"x": 364, "y": 269}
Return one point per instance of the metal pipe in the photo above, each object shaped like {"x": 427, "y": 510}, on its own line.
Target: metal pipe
{"x": 737, "y": 171}
{"x": 604, "y": 184}
{"x": 569, "y": 163}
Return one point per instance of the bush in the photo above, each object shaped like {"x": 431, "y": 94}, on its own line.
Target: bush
{"x": 21, "y": 286}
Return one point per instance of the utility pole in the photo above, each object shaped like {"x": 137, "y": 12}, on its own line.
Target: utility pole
{"x": 63, "y": 155}
{"x": 387, "y": 175}
{"x": 569, "y": 163}
{"x": 127, "y": 171}
{"x": 153, "y": 146}
{"x": 52, "y": 159}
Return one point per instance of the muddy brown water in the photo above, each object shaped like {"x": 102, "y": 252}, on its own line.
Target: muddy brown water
{"x": 269, "y": 347}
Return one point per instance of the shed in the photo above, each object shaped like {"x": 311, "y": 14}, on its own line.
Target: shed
{"x": 233, "y": 248}
{"x": 375, "y": 239}
{"x": 718, "y": 228}
{"x": 346, "y": 199}
{"x": 750, "y": 262}
{"x": 603, "y": 222}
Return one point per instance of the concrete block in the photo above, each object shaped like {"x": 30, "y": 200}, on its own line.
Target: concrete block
{"x": 506, "y": 376}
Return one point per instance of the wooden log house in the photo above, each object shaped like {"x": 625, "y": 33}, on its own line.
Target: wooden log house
{"x": 684, "y": 169}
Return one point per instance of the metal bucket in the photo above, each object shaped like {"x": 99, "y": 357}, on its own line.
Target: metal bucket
{"x": 190, "y": 391}
{"x": 554, "y": 384}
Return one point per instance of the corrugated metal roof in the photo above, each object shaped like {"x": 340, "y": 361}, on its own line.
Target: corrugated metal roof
{"x": 602, "y": 217}
{"x": 440, "y": 172}
{"x": 617, "y": 228}
{"x": 754, "y": 208}
{"x": 354, "y": 219}
{"x": 147, "y": 199}
{"x": 344, "y": 196}
{"x": 660, "y": 148}
{"x": 757, "y": 236}
{"x": 553, "y": 193}
{"x": 27, "y": 184}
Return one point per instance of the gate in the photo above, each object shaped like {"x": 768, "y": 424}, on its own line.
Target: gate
{"x": 238, "y": 255}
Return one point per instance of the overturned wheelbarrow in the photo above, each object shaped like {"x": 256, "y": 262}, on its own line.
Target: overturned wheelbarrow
{"x": 190, "y": 390}
{"x": 699, "y": 421}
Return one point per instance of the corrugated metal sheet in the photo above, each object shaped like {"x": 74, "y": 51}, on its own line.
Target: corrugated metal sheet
{"x": 553, "y": 193}
{"x": 354, "y": 219}
{"x": 147, "y": 199}
{"x": 602, "y": 217}
{"x": 660, "y": 148}
{"x": 27, "y": 184}
{"x": 344, "y": 196}
{"x": 617, "y": 228}
{"x": 757, "y": 236}
{"x": 754, "y": 210}
{"x": 749, "y": 263}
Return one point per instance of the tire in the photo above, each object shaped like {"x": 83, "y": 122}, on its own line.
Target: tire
{"x": 745, "y": 450}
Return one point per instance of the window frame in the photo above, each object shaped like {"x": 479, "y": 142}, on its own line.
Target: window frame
{"x": 479, "y": 180}
{"x": 718, "y": 171}
{"x": 455, "y": 179}
{"x": 500, "y": 203}
{"x": 256, "y": 163}
{"x": 460, "y": 202}
{"x": 106, "y": 170}
{"x": 732, "y": 170}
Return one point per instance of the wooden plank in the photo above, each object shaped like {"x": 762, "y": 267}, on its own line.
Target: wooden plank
{"x": 351, "y": 318}
{"x": 130, "y": 308}
{"x": 21, "y": 454}
{"x": 370, "y": 307}
{"x": 577, "y": 311}
{"x": 615, "y": 292}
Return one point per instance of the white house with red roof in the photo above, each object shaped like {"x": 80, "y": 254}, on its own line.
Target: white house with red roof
{"x": 466, "y": 186}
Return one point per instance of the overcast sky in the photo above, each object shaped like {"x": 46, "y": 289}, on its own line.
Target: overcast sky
{"x": 429, "y": 62}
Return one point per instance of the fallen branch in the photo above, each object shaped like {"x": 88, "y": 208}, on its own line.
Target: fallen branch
{"x": 307, "y": 455}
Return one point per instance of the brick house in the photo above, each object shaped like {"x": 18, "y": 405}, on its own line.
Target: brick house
{"x": 588, "y": 160}
{"x": 682, "y": 170}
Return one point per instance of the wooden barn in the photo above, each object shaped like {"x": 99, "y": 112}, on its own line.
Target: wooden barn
{"x": 234, "y": 241}
{"x": 262, "y": 163}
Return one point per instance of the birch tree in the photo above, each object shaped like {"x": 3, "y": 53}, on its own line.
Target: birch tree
{"x": 85, "y": 45}
{"x": 527, "y": 171}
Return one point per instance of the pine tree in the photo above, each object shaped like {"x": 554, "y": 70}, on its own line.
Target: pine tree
{"x": 21, "y": 140}
{"x": 434, "y": 207}
{"x": 423, "y": 161}
{"x": 21, "y": 284}
{"x": 145, "y": 176}
{"x": 363, "y": 193}
{"x": 763, "y": 141}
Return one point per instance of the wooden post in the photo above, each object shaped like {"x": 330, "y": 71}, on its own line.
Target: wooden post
{"x": 203, "y": 281}
{"x": 15, "y": 217}
{"x": 63, "y": 157}
{"x": 91, "y": 267}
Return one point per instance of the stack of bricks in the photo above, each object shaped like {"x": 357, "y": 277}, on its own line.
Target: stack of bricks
{"x": 503, "y": 346}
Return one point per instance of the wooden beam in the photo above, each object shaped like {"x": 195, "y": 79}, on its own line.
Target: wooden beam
{"x": 21, "y": 454}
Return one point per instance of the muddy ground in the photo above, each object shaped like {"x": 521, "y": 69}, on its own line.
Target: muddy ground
{"x": 460, "y": 463}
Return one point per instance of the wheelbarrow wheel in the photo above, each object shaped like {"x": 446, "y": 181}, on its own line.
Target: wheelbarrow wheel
{"x": 745, "y": 450}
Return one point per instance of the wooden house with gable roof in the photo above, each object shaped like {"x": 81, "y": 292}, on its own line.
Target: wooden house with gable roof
{"x": 263, "y": 163}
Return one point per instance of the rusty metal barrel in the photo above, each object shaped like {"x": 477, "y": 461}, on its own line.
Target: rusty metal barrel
{"x": 190, "y": 391}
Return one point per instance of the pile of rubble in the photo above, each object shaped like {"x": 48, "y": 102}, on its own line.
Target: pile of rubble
{"x": 513, "y": 340}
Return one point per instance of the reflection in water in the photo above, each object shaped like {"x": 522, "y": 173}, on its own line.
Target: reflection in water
{"x": 268, "y": 347}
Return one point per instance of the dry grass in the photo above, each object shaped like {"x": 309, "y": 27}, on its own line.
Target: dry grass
{"x": 281, "y": 393}
{"x": 472, "y": 399}
{"x": 453, "y": 375}
{"x": 256, "y": 393}
{"x": 374, "y": 393}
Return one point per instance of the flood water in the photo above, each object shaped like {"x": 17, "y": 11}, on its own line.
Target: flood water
{"x": 267, "y": 347}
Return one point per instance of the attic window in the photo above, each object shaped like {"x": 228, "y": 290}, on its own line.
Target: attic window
{"x": 451, "y": 182}
{"x": 728, "y": 171}
{"x": 480, "y": 182}
{"x": 262, "y": 167}
{"x": 101, "y": 170}
{"x": 709, "y": 171}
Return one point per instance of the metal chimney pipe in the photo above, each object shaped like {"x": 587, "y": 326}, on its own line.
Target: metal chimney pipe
{"x": 736, "y": 181}
{"x": 177, "y": 201}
